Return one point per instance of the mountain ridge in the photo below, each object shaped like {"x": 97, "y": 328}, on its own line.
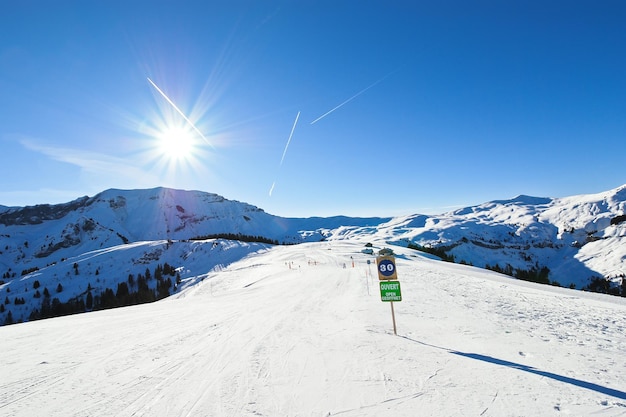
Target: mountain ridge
{"x": 92, "y": 244}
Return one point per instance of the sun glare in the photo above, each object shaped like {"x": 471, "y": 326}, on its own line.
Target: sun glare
{"x": 176, "y": 143}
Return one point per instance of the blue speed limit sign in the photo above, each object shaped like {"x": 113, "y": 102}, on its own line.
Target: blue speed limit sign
{"x": 386, "y": 268}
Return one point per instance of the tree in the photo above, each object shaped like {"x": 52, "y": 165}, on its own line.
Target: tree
{"x": 46, "y": 293}
{"x": 36, "y": 284}
{"x": 9, "y": 318}
{"x": 59, "y": 287}
{"x": 89, "y": 302}
{"x": 122, "y": 290}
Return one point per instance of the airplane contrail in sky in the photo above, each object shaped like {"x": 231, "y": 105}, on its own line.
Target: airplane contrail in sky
{"x": 272, "y": 188}
{"x": 351, "y": 98}
{"x": 295, "y": 122}
{"x": 289, "y": 140}
{"x": 179, "y": 111}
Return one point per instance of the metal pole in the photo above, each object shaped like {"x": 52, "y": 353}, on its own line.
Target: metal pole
{"x": 393, "y": 317}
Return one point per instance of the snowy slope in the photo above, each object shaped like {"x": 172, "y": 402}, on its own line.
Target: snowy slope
{"x": 577, "y": 237}
{"x": 91, "y": 244}
{"x": 95, "y": 243}
{"x": 288, "y": 331}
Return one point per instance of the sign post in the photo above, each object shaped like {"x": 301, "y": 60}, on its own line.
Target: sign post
{"x": 389, "y": 284}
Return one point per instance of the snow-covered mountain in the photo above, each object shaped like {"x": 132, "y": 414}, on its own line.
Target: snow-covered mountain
{"x": 69, "y": 252}
{"x": 576, "y": 238}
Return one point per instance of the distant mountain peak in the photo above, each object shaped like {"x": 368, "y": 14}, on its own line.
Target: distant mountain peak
{"x": 526, "y": 200}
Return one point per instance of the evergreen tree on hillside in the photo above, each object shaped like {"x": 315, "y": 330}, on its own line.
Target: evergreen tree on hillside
{"x": 122, "y": 290}
{"x": 9, "y": 318}
{"x": 131, "y": 280}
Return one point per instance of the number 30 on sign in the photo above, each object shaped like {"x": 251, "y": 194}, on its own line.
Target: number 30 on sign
{"x": 386, "y": 268}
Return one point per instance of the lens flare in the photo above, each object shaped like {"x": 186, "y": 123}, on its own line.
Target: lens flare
{"x": 179, "y": 111}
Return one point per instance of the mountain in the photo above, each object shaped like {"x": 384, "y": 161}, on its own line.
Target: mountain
{"x": 75, "y": 251}
{"x": 120, "y": 242}
{"x": 577, "y": 238}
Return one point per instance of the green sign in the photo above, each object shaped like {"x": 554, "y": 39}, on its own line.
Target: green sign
{"x": 390, "y": 291}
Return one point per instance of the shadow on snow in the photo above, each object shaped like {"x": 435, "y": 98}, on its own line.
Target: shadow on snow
{"x": 573, "y": 381}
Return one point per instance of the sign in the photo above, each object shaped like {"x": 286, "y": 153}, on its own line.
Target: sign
{"x": 389, "y": 284}
{"x": 390, "y": 291}
{"x": 386, "y": 268}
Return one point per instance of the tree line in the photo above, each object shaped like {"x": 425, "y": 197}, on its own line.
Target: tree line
{"x": 142, "y": 288}
{"x": 238, "y": 236}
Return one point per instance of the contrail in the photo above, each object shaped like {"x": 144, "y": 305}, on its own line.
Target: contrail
{"x": 272, "y": 188}
{"x": 351, "y": 98}
{"x": 295, "y": 122}
{"x": 179, "y": 111}
{"x": 289, "y": 140}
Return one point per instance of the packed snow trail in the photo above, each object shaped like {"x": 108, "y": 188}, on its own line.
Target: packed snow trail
{"x": 298, "y": 331}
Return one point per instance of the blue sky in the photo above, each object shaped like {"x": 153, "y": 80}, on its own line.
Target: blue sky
{"x": 436, "y": 104}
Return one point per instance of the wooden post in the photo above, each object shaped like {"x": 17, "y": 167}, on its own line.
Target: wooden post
{"x": 393, "y": 317}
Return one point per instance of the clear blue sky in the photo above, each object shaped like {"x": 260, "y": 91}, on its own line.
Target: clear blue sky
{"x": 445, "y": 103}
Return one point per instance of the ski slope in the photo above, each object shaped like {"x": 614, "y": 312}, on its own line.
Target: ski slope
{"x": 290, "y": 332}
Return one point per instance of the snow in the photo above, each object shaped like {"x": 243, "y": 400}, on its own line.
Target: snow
{"x": 122, "y": 232}
{"x": 288, "y": 331}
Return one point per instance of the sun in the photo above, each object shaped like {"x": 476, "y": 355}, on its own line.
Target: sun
{"x": 176, "y": 143}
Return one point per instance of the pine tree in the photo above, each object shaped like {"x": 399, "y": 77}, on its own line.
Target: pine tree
{"x": 122, "y": 290}
{"x": 89, "y": 301}
{"x": 9, "y": 318}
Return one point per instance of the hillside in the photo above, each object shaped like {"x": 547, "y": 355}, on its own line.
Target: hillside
{"x": 576, "y": 238}
{"x": 290, "y": 331}
{"x": 112, "y": 249}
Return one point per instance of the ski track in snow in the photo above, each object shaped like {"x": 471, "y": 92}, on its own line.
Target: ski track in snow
{"x": 291, "y": 332}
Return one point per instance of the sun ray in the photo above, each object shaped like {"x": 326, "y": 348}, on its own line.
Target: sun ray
{"x": 179, "y": 111}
